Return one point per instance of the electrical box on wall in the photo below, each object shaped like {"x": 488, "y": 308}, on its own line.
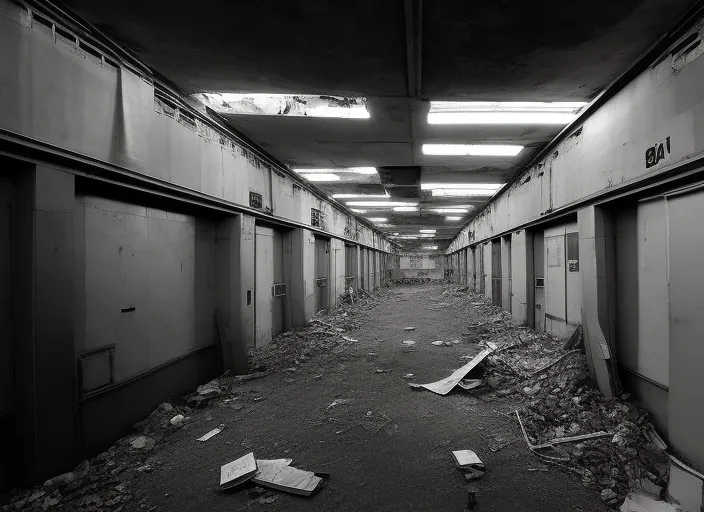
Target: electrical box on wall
{"x": 278, "y": 290}
{"x": 540, "y": 282}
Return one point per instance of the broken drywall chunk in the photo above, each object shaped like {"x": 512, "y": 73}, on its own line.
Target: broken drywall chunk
{"x": 278, "y": 474}
{"x": 467, "y": 458}
{"x": 444, "y": 386}
{"x": 641, "y": 503}
{"x": 238, "y": 471}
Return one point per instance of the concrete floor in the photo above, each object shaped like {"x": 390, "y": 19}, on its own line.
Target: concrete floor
{"x": 396, "y": 458}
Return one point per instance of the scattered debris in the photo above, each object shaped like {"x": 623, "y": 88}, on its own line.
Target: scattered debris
{"x": 238, "y": 471}
{"x": 409, "y": 329}
{"x": 467, "y": 458}
{"x": 438, "y": 343}
{"x": 210, "y": 434}
{"x": 324, "y": 334}
{"x": 408, "y": 376}
{"x": 409, "y": 342}
{"x": 640, "y": 503}
{"x": 469, "y": 384}
{"x": 444, "y": 386}
{"x": 339, "y": 401}
{"x": 278, "y": 474}
{"x": 382, "y": 371}
{"x": 143, "y": 442}
{"x": 177, "y": 420}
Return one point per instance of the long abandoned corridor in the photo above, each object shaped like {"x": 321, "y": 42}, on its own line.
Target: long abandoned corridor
{"x": 190, "y": 192}
{"x": 349, "y": 411}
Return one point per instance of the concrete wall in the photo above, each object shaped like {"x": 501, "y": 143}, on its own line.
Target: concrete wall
{"x": 421, "y": 265}
{"x": 5, "y": 295}
{"x": 149, "y": 280}
{"x": 56, "y": 94}
{"x": 608, "y": 150}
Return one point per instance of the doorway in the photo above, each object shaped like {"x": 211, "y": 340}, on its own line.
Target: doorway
{"x": 496, "y": 272}
{"x": 539, "y": 279}
{"x": 322, "y": 272}
{"x": 270, "y": 289}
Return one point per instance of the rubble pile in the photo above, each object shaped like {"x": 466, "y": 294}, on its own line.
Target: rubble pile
{"x": 103, "y": 483}
{"x": 560, "y": 400}
{"x": 323, "y": 334}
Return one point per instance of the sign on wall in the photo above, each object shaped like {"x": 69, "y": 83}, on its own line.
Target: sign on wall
{"x": 660, "y": 152}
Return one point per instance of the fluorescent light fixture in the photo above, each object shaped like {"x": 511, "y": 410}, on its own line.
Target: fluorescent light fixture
{"x": 519, "y": 112}
{"x": 378, "y": 219}
{"x": 427, "y": 230}
{"x": 361, "y": 196}
{"x": 453, "y": 218}
{"x": 426, "y": 235}
{"x": 430, "y": 247}
{"x": 355, "y": 210}
{"x": 459, "y": 192}
{"x": 329, "y": 170}
{"x": 451, "y": 210}
{"x": 463, "y": 186}
{"x": 286, "y": 105}
{"x": 379, "y": 204}
{"x": 321, "y": 177}
{"x": 471, "y": 149}
{"x": 395, "y": 234}
{"x": 405, "y": 208}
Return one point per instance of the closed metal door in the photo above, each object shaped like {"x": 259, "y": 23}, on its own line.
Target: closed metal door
{"x": 496, "y": 272}
{"x": 322, "y": 272}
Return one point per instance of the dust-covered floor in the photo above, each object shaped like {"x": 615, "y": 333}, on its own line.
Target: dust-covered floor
{"x": 385, "y": 446}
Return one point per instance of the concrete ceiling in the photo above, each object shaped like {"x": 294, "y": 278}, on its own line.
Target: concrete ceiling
{"x": 398, "y": 54}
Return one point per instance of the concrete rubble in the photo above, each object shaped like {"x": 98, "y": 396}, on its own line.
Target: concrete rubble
{"x": 560, "y": 399}
{"x": 323, "y": 334}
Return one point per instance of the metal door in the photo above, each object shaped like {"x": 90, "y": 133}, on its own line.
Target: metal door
{"x": 496, "y": 272}
{"x": 322, "y": 272}
{"x": 268, "y": 301}
{"x": 482, "y": 273}
{"x": 539, "y": 279}
{"x": 507, "y": 298}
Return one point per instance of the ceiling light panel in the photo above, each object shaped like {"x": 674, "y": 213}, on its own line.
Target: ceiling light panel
{"x": 405, "y": 208}
{"x": 355, "y": 210}
{"x": 379, "y": 204}
{"x": 330, "y": 170}
{"x": 287, "y": 105}
{"x": 360, "y": 196}
{"x": 459, "y": 192}
{"x": 462, "y": 186}
{"x": 451, "y": 210}
{"x": 427, "y": 230}
{"x": 452, "y": 218}
{"x": 430, "y": 247}
{"x": 322, "y": 178}
{"x": 378, "y": 219}
{"x": 471, "y": 149}
{"x": 485, "y": 112}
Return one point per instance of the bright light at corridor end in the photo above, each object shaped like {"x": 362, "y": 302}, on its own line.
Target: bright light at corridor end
{"x": 516, "y": 112}
{"x": 431, "y": 247}
{"x": 471, "y": 149}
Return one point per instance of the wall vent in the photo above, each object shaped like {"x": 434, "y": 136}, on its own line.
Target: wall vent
{"x": 255, "y": 200}
{"x": 540, "y": 282}
{"x": 278, "y": 290}
{"x": 96, "y": 368}
{"x": 321, "y": 282}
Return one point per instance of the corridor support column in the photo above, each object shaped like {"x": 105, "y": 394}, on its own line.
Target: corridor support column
{"x": 235, "y": 261}
{"x": 522, "y": 277}
{"x": 44, "y": 355}
{"x": 598, "y": 273}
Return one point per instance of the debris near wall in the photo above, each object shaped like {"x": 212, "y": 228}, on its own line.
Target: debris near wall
{"x": 608, "y": 442}
{"x": 103, "y": 482}
{"x": 613, "y": 450}
{"x": 324, "y": 333}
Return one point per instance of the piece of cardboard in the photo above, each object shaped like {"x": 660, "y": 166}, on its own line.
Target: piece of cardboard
{"x": 278, "y": 474}
{"x": 444, "y": 386}
{"x": 467, "y": 458}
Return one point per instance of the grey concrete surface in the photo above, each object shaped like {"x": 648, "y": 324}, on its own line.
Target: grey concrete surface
{"x": 405, "y": 465}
